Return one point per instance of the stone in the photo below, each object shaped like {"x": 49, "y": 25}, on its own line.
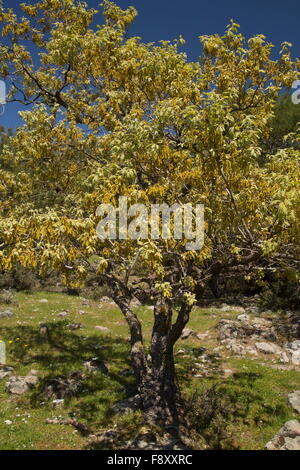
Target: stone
{"x": 8, "y": 422}
{"x": 295, "y": 345}
{"x": 63, "y": 386}
{"x": 2, "y": 352}
{"x": 202, "y": 336}
{"x": 58, "y": 403}
{"x": 288, "y": 437}
{"x": 102, "y": 328}
{"x": 243, "y": 318}
{"x": 18, "y": 385}
{"x": 63, "y": 314}
{"x": 96, "y": 365}
{"x": 6, "y": 313}
{"x": 284, "y": 358}
{"x": 75, "y": 326}
{"x": 44, "y": 301}
{"x": 268, "y": 348}
{"x": 294, "y": 400}
{"x": 296, "y": 358}
{"x": 187, "y": 332}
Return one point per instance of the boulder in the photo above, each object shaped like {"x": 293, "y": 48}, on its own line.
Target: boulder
{"x": 6, "y": 313}
{"x": 187, "y": 332}
{"x": 288, "y": 438}
{"x": 294, "y": 346}
{"x": 296, "y": 358}
{"x": 17, "y": 385}
{"x": 294, "y": 400}
{"x": 96, "y": 365}
{"x": 268, "y": 348}
{"x": 102, "y": 328}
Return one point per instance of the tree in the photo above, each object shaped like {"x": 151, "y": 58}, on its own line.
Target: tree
{"x": 114, "y": 117}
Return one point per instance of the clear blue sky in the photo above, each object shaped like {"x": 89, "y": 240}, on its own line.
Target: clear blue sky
{"x": 166, "y": 19}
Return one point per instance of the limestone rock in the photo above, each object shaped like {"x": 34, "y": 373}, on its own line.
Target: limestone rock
{"x": 288, "y": 438}
{"x": 18, "y": 385}
{"x": 268, "y": 348}
{"x": 294, "y": 400}
{"x": 102, "y": 328}
{"x": 6, "y": 313}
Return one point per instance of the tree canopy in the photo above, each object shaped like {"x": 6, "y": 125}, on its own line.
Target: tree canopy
{"x": 111, "y": 116}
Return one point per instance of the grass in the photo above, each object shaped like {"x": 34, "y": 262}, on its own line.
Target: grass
{"x": 251, "y": 404}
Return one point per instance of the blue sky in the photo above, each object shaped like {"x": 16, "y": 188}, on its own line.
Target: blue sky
{"x": 166, "y": 19}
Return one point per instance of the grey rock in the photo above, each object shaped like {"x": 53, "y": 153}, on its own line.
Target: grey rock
{"x": 17, "y": 385}
{"x": 243, "y": 318}
{"x": 102, "y": 328}
{"x": 268, "y": 348}
{"x": 6, "y": 313}
{"x": 294, "y": 400}
{"x": 96, "y": 365}
{"x": 187, "y": 332}
{"x": 295, "y": 345}
{"x": 75, "y": 326}
{"x": 296, "y": 358}
{"x": 288, "y": 438}
{"x": 284, "y": 358}
{"x": 63, "y": 314}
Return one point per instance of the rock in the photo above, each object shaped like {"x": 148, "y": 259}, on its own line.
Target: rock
{"x": 44, "y": 301}
{"x": 187, "y": 332}
{"x": 58, "y": 403}
{"x": 288, "y": 438}
{"x": 75, "y": 326}
{"x": 96, "y": 365}
{"x": 294, "y": 400}
{"x": 63, "y": 314}
{"x": 295, "y": 345}
{"x": 202, "y": 336}
{"x": 284, "y": 358}
{"x": 296, "y": 358}
{"x": 6, "y": 313}
{"x": 63, "y": 385}
{"x": 127, "y": 406}
{"x": 8, "y": 422}
{"x": 17, "y": 385}
{"x": 268, "y": 348}
{"x": 85, "y": 302}
{"x": 102, "y": 328}
{"x": 5, "y": 371}
{"x": 82, "y": 312}
{"x": 243, "y": 318}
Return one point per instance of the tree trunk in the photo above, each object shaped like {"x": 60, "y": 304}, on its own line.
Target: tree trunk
{"x": 156, "y": 379}
{"x": 161, "y": 396}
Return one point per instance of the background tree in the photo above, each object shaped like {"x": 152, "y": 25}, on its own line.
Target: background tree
{"x": 113, "y": 116}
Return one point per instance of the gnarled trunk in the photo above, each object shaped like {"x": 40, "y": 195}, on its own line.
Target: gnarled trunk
{"x": 161, "y": 398}
{"x": 156, "y": 378}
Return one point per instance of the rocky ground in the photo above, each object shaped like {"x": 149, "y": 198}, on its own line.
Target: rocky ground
{"x": 68, "y": 368}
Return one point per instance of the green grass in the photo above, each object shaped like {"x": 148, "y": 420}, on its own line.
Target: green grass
{"x": 256, "y": 395}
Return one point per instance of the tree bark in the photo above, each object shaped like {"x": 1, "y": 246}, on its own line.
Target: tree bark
{"x": 161, "y": 395}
